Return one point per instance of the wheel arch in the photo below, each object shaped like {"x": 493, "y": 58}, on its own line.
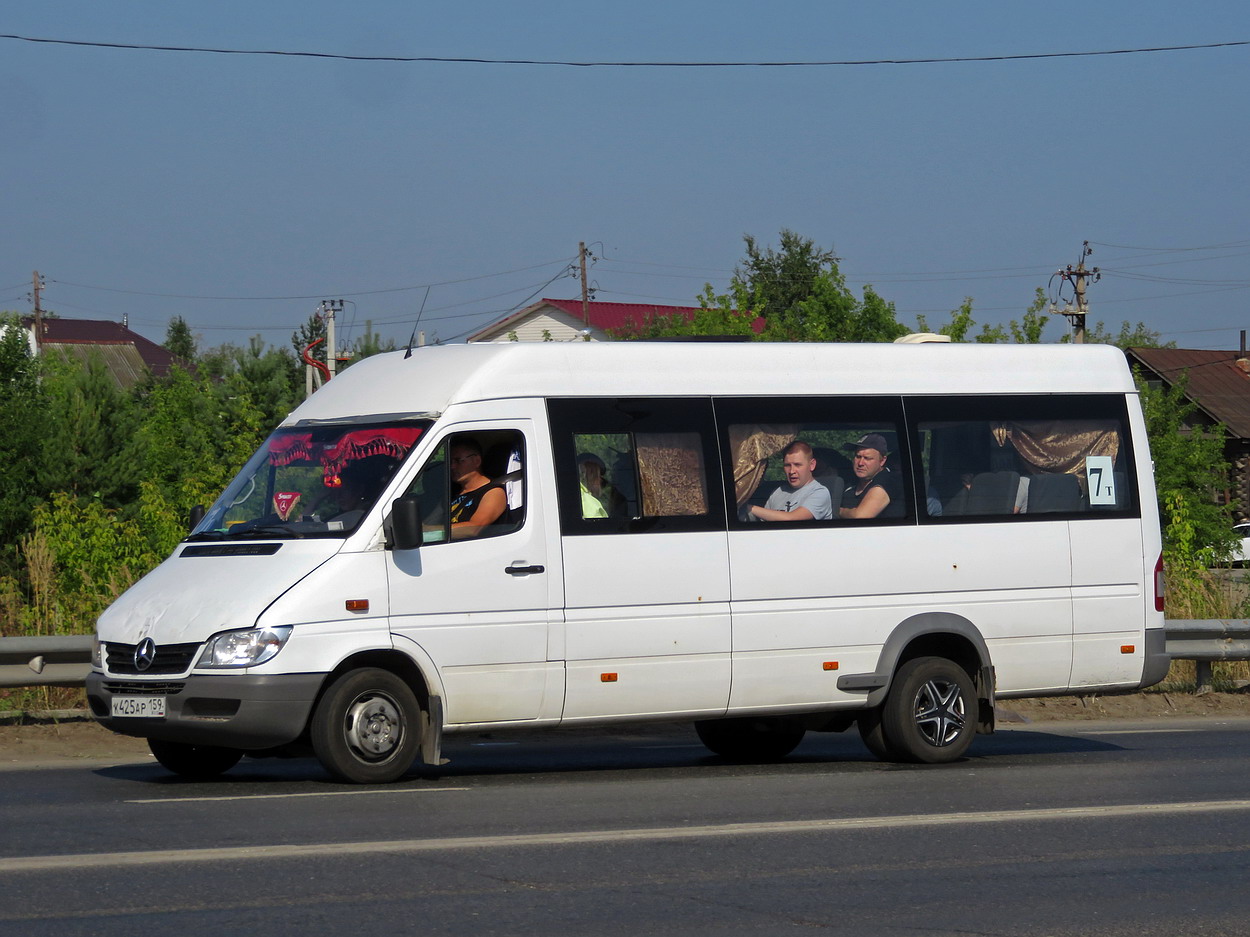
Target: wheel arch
{"x": 940, "y": 634}
{"x": 410, "y": 663}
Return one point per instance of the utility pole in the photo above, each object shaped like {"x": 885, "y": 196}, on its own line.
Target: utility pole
{"x": 1077, "y": 277}
{"x": 328, "y": 308}
{"x": 581, "y": 258}
{"x": 37, "y": 282}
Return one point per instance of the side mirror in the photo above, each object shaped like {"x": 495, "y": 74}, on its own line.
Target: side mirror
{"x": 405, "y": 524}
{"x": 196, "y": 515}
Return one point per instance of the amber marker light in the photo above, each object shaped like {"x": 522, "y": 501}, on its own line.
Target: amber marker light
{"x": 607, "y": 678}
{"x": 357, "y": 605}
{"x": 830, "y": 665}
{"x": 1127, "y": 648}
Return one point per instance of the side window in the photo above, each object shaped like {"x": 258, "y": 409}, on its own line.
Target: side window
{"x": 634, "y": 465}
{"x": 472, "y": 486}
{"x": 815, "y": 459}
{"x": 1025, "y": 457}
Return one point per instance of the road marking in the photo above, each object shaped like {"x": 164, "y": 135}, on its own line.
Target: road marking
{"x": 1137, "y": 731}
{"x": 652, "y": 834}
{"x": 197, "y": 800}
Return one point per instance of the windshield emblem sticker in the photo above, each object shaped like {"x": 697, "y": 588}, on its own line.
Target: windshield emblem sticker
{"x": 284, "y": 503}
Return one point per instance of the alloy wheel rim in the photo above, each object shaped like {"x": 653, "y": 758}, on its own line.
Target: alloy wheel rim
{"x": 939, "y": 712}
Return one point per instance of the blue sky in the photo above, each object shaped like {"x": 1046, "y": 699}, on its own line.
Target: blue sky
{"x": 237, "y": 191}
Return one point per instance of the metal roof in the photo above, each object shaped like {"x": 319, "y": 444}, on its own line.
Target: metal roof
{"x": 1215, "y": 383}
{"x": 603, "y": 316}
{"x": 126, "y": 354}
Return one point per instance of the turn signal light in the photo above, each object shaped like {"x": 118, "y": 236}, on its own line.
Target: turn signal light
{"x": 607, "y": 678}
{"x": 830, "y": 665}
{"x": 1127, "y": 648}
{"x": 357, "y": 605}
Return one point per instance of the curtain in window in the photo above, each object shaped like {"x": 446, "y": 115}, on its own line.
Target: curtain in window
{"x": 752, "y": 444}
{"x": 670, "y": 467}
{"x": 1054, "y": 446}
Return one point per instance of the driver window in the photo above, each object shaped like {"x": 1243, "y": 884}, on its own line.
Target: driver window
{"x": 472, "y": 486}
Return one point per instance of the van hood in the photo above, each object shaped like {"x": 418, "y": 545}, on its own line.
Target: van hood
{"x": 205, "y": 588}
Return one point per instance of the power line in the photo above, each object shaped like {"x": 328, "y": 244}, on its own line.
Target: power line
{"x": 608, "y": 64}
{"x": 1173, "y": 250}
{"x": 318, "y": 295}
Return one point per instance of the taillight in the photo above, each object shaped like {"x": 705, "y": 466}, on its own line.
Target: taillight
{"x": 1159, "y": 584}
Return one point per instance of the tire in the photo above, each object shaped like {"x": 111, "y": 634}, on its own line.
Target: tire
{"x": 873, "y": 736}
{"x": 366, "y": 727}
{"x": 751, "y": 738}
{"x": 930, "y": 713}
{"x": 194, "y": 761}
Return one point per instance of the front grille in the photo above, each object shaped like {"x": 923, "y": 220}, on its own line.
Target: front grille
{"x": 148, "y": 689}
{"x": 170, "y": 658}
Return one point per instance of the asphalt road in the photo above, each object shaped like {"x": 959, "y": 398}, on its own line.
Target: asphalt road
{"x": 1107, "y": 828}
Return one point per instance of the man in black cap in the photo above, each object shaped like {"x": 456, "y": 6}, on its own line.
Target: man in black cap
{"x": 876, "y": 491}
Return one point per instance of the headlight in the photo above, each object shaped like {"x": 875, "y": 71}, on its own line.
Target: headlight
{"x": 244, "y": 648}
{"x": 97, "y": 652}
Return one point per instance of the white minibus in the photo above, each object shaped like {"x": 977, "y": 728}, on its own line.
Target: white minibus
{"x": 761, "y": 539}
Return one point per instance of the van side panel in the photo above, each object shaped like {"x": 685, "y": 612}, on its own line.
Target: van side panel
{"x": 803, "y": 598}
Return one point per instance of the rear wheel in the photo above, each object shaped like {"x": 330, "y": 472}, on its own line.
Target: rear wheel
{"x": 194, "y": 761}
{"x": 929, "y": 715}
{"x": 751, "y": 738}
{"x": 366, "y": 728}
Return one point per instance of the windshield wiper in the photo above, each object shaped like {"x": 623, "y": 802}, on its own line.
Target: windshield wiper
{"x": 264, "y": 531}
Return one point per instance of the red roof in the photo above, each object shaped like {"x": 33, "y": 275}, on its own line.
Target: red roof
{"x": 620, "y": 315}
{"x": 607, "y": 316}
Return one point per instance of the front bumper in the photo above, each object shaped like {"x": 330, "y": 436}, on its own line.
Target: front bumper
{"x": 240, "y": 711}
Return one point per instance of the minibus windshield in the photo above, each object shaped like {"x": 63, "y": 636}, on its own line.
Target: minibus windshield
{"x": 315, "y": 481}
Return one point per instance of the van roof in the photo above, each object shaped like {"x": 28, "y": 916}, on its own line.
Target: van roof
{"x": 434, "y": 377}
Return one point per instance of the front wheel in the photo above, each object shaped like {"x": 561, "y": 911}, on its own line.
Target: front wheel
{"x": 754, "y": 738}
{"x": 929, "y": 715}
{"x": 194, "y": 761}
{"x": 366, "y": 727}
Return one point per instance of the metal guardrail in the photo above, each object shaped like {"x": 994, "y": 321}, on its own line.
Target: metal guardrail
{"x": 1205, "y": 640}
{"x": 65, "y": 660}
{"x": 45, "y": 660}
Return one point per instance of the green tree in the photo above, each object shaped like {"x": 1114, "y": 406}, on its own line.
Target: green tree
{"x": 370, "y": 344}
{"x": 1130, "y": 336}
{"x": 798, "y": 293}
{"x": 1190, "y": 470}
{"x": 23, "y": 418}
{"x": 88, "y": 430}
{"x": 780, "y": 280}
{"x": 194, "y": 436}
{"x": 1028, "y": 330}
{"x": 310, "y": 336}
{"x": 270, "y": 378}
{"x": 179, "y": 340}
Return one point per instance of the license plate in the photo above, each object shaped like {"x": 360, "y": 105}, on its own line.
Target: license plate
{"x": 147, "y": 707}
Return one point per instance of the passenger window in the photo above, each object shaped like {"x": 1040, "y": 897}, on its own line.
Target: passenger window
{"x": 1025, "y": 465}
{"x": 472, "y": 486}
{"x": 810, "y": 470}
{"x": 633, "y": 465}
{"x": 640, "y": 475}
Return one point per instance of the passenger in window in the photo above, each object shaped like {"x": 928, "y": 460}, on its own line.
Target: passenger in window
{"x": 876, "y": 491}
{"x": 801, "y": 498}
{"x": 479, "y": 502}
{"x": 590, "y": 472}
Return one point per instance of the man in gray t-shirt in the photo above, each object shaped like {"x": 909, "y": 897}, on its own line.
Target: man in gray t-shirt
{"x": 802, "y": 498}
